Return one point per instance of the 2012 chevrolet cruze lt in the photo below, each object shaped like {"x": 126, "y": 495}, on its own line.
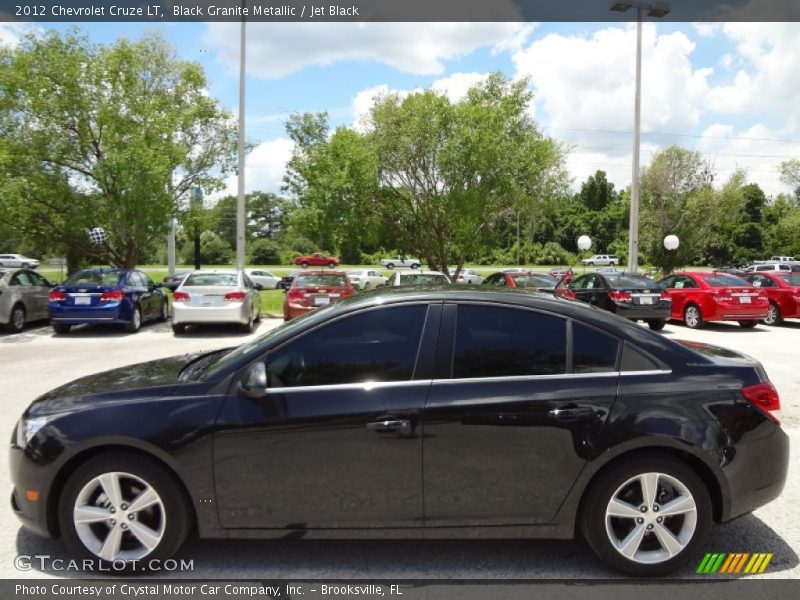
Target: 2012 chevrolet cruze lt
{"x": 436, "y": 413}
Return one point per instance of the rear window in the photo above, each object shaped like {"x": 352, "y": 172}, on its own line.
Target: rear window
{"x": 104, "y": 278}
{"x": 630, "y": 281}
{"x": 321, "y": 279}
{"x": 423, "y": 279}
{"x": 219, "y": 279}
{"x": 724, "y": 280}
{"x": 790, "y": 278}
{"x": 524, "y": 281}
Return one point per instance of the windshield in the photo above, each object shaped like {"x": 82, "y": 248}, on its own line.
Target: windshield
{"x": 321, "y": 279}
{"x": 237, "y": 353}
{"x": 220, "y": 279}
{"x": 724, "y": 280}
{"x": 524, "y": 281}
{"x": 791, "y": 278}
{"x": 105, "y": 278}
{"x": 423, "y": 279}
{"x": 621, "y": 281}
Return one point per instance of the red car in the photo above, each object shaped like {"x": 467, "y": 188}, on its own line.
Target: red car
{"x": 698, "y": 297}
{"x": 783, "y": 292}
{"x": 535, "y": 282}
{"x": 562, "y": 273}
{"x": 313, "y": 289}
{"x": 318, "y": 259}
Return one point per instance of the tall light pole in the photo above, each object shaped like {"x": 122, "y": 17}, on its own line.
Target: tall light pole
{"x": 240, "y": 207}
{"x": 658, "y": 10}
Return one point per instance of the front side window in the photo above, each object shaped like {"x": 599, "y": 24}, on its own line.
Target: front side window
{"x": 500, "y": 342}
{"x": 373, "y": 346}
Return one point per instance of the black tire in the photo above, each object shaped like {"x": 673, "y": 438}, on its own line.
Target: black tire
{"x": 177, "y": 509}
{"x": 248, "y": 327}
{"x": 178, "y": 328}
{"x": 748, "y": 324}
{"x": 656, "y": 324}
{"x": 304, "y": 265}
{"x": 390, "y": 266}
{"x": 16, "y": 320}
{"x": 415, "y": 266}
{"x": 163, "y": 314}
{"x": 331, "y": 265}
{"x": 693, "y": 317}
{"x": 61, "y": 328}
{"x": 774, "y": 317}
{"x": 135, "y": 324}
{"x": 599, "y": 494}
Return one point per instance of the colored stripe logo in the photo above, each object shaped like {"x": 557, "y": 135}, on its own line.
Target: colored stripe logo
{"x": 734, "y": 563}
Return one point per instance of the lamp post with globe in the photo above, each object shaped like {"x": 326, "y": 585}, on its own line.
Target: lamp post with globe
{"x": 671, "y": 243}
{"x": 584, "y": 243}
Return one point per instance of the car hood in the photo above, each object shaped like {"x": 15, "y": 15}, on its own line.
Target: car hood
{"x": 152, "y": 379}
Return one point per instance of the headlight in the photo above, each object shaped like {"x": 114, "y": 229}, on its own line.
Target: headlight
{"x": 27, "y": 428}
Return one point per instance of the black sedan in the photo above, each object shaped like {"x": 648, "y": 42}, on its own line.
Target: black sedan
{"x": 286, "y": 281}
{"x": 634, "y": 297}
{"x": 411, "y": 412}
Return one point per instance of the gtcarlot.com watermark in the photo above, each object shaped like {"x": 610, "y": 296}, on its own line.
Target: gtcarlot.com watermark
{"x": 45, "y": 562}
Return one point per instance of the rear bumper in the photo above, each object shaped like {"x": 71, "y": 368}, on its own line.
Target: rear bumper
{"x": 757, "y": 474}
{"x": 112, "y": 312}
{"x": 658, "y": 311}
{"x": 296, "y": 310}
{"x": 232, "y": 312}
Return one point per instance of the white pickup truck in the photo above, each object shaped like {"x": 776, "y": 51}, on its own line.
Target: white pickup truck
{"x": 776, "y": 259}
{"x": 400, "y": 261}
{"x": 601, "y": 259}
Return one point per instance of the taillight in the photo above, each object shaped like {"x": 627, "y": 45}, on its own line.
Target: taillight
{"x": 765, "y": 397}
{"x": 235, "y": 296}
{"x": 296, "y": 294}
{"x": 620, "y": 296}
{"x": 180, "y": 297}
{"x": 57, "y": 296}
{"x": 348, "y": 291}
{"x": 569, "y": 295}
{"x": 722, "y": 296}
{"x": 112, "y": 296}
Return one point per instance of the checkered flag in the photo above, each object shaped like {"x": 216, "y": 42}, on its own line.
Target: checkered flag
{"x": 97, "y": 236}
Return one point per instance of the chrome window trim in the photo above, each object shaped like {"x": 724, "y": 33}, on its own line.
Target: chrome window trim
{"x": 364, "y": 386}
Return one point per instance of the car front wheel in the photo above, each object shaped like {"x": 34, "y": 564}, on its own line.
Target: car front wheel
{"x": 647, "y": 516}
{"x": 17, "y": 321}
{"x": 122, "y": 508}
{"x": 774, "y": 316}
{"x": 390, "y": 266}
{"x": 692, "y": 317}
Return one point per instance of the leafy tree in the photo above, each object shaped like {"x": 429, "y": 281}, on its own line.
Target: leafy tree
{"x": 114, "y": 136}
{"x": 265, "y": 252}
{"x": 265, "y": 216}
{"x": 597, "y": 192}
{"x": 790, "y": 175}
{"x": 213, "y": 250}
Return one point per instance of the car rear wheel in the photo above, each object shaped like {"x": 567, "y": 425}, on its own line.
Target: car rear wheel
{"x": 748, "y": 324}
{"x": 121, "y": 508}
{"x": 304, "y": 265}
{"x": 331, "y": 265}
{"x": 164, "y": 313}
{"x": 135, "y": 323}
{"x": 61, "y": 328}
{"x": 693, "y": 318}
{"x": 774, "y": 316}
{"x": 178, "y": 328}
{"x": 248, "y": 327}
{"x": 390, "y": 266}
{"x": 16, "y": 322}
{"x": 656, "y": 324}
{"x": 647, "y": 516}
{"x": 414, "y": 266}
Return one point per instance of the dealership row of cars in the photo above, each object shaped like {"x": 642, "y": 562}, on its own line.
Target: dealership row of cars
{"x": 128, "y": 297}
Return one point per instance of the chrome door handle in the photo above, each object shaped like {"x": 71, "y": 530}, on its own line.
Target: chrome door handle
{"x": 571, "y": 413}
{"x": 401, "y": 426}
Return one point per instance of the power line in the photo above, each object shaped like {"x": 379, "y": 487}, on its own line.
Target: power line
{"x": 691, "y": 135}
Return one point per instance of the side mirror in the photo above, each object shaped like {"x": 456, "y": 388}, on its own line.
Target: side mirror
{"x": 253, "y": 383}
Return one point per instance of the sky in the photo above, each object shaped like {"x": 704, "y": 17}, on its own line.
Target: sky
{"x": 731, "y": 91}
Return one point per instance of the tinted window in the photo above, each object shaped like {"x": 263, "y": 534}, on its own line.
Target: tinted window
{"x": 221, "y": 279}
{"x": 635, "y": 360}
{"x": 21, "y": 278}
{"x": 105, "y": 278}
{"x": 334, "y": 279}
{"x": 534, "y": 280}
{"x": 37, "y": 279}
{"x": 592, "y": 350}
{"x": 630, "y": 282}
{"x": 724, "y": 280}
{"x": 760, "y": 281}
{"x": 377, "y": 345}
{"x": 424, "y": 279}
{"x": 497, "y": 342}
{"x": 791, "y": 279}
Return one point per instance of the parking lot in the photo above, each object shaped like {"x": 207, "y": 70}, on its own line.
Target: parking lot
{"x": 35, "y": 361}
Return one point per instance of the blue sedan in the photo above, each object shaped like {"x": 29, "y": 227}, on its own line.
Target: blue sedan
{"x": 107, "y": 296}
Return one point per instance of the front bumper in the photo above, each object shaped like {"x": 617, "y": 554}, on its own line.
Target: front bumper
{"x": 25, "y": 475}
{"x": 232, "y": 312}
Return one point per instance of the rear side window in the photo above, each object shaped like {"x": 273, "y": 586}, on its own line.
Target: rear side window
{"x": 634, "y": 360}
{"x": 499, "y": 342}
{"x": 592, "y": 350}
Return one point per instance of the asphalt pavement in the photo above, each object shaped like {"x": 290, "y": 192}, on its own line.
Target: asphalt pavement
{"x": 36, "y": 361}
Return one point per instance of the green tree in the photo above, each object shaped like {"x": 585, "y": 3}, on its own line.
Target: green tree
{"x": 790, "y": 175}
{"x": 597, "y": 192}
{"x": 265, "y": 216}
{"x": 114, "y": 136}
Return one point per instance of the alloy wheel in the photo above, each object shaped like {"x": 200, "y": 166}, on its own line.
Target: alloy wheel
{"x": 773, "y": 315}
{"x": 693, "y": 318}
{"x": 119, "y": 517}
{"x": 651, "y": 518}
{"x": 18, "y": 319}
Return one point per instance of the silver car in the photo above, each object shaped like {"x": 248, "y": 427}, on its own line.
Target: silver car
{"x": 365, "y": 279}
{"x": 18, "y": 261}
{"x": 219, "y": 296}
{"x": 418, "y": 277}
{"x": 267, "y": 280}
{"x": 24, "y": 295}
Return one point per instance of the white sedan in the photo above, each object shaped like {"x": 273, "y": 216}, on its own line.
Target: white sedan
{"x": 469, "y": 276}
{"x": 220, "y": 296}
{"x": 267, "y": 280}
{"x": 418, "y": 277}
{"x": 18, "y": 261}
{"x": 366, "y": 279}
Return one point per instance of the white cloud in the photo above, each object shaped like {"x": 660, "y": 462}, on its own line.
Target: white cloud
{"x": 455, "y": 86}
{"x": 264, "y": 168}
{"x": 12, "y": 33}
{"x": 275, "y": 50}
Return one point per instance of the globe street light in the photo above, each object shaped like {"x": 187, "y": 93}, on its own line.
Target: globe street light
{"x": 657, "y": 10}
{"x": 584, "y": 243}
{"x": 671, "y": 243}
